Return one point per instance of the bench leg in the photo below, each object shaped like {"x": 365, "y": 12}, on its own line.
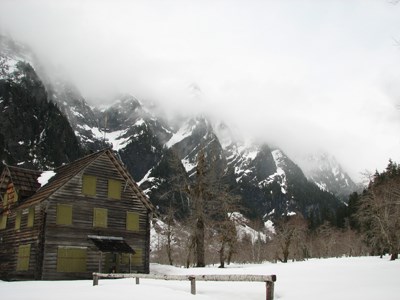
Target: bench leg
{"x": 95, "y": 280}
{"x": 269, "y": 290}
{"x": 192, "y": 285}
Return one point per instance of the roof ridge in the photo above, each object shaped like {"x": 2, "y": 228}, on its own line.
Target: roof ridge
{"x": 22, "y": 169}
{"x": 63, "y": 175}
{"x": 82, "y": 158}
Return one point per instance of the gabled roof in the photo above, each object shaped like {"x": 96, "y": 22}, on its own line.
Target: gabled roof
{"x": 24, "y": 180}
{"x": 67, "y": 172}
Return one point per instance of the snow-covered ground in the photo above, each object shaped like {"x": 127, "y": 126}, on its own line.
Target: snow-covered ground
{"x": 345, "y": 278}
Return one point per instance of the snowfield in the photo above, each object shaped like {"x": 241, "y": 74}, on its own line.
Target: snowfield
{"x": 344, "y": 278}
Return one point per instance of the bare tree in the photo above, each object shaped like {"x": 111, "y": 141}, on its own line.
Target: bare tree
{"x": 198, "y": 194}
{"x": 379, "y": 211}
{"x": 289, "y": 232}
{"x": 225, "y": 205}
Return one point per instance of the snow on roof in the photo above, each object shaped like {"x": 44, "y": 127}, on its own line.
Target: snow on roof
{"x": 44, "y": 178}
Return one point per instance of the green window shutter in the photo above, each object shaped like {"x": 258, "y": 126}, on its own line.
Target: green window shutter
{"x": 71, "y": 259}
{"x": 137, "y": 258}
{"x": 114, "y": 189}
{"x": 125, "y": 258}
{"x": 64, "y": 214}
{"x": 18, "y": 220}
{"x": 5, "y": 199}
{"x": 15, "y": 196}
{"x": 100, "y": 217}
{"x": 31, "y": 216}
{"x": 24, "y": 252}
{"x": 89, "y": 185}
{"x": 132, "y": 221}
{"x": 3, "y": 221}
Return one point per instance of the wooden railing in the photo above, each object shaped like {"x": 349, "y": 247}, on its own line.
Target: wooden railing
{"x": 268, "y": 279}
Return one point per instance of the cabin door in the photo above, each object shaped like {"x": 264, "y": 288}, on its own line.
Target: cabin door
{"x": 112, "y": 263}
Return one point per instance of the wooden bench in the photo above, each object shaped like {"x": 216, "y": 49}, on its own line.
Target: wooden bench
{"x": 268, "y": 279}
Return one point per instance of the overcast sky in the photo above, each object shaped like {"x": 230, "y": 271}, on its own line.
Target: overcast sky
{"x": 301, "y": 74}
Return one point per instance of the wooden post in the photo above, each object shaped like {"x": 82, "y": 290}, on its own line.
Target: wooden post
{"x": 137, "y": 280}
{"x": 130, "y": 264}
{"x": 100, "y": 261}
{"x": 270, "y": 290}
{"x": 95, "y": 280}
{"x": 192, "y": 285}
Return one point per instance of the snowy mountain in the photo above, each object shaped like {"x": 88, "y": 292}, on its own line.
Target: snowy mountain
{"x": 325, "y": 171}
{"x": 33, "y": 132}
{"x": 162, "y": 158}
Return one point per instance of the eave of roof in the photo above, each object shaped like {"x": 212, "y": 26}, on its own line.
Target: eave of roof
{"x": 67, "y": 172}
{"x": 63, "y": 175}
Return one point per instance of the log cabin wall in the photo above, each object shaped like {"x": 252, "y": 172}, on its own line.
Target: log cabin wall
{"x": 75, "y": 235}
{"x": 20, "y": 251}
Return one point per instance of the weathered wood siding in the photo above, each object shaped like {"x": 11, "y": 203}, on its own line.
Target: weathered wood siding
{"x": 12, "y": 238}
{"x": 76, "y": 235}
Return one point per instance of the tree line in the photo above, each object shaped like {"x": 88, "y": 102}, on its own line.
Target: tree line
{"x": 368, "y": 225}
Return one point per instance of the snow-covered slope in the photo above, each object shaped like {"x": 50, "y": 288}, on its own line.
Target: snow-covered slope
{"x": 33, "y": 131}
{"x": 323, "y": 169}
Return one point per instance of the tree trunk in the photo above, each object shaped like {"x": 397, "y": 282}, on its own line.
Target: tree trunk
{"x": 169, "y": 248}
{"x": 222, "y": 256}
{"x": 394, "y": 256}
{"x": 200, "y": 235}
{"x": 230, "y": 253}
{"x": 190, "y": 248}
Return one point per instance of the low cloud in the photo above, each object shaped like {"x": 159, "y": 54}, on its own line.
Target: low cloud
{"x": 302, "y": 75}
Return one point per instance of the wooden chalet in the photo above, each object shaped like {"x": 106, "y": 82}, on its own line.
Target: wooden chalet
{"x": 89, "y": 217}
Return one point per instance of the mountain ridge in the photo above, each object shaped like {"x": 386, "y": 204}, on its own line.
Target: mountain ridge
{"x": 163, "y": 157}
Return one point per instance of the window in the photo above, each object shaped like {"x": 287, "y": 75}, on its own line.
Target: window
{"x": 114, "y": 189}
{"x": 18, "y": 220}
{"x": 12, "y": 195}
{"x": 132, "y": 221}
{"x": 64, "y": 214}
{"x": 137, "y": 258}
{"x": 89, "y": 185}
{"x": 3, "y": 221}
{"x": 71, "y": 259}
{"x": 31, "y": 216}
{"x": 24, "y": 252}
{"x": 100, "y": 217}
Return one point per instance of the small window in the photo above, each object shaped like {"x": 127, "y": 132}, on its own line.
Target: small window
{"x": 71, "y": 259}
{"x": 100, "y": 217}
{"x": 132, "y": 221}
{"x": 18, "y": 220}
{"x": 3, "y": 221}
{"x": 31, "y": 216}
{"x": 137, "y": 258}
{"x": 114, "y": 189}
{"x": 64, "y": 214}
{"x": 24, "y": 252}
{"x": 12, "y": 195}
{"x": 89, "y": 185}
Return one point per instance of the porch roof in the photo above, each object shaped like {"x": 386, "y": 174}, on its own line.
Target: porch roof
{"x": 111, "y": 244}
